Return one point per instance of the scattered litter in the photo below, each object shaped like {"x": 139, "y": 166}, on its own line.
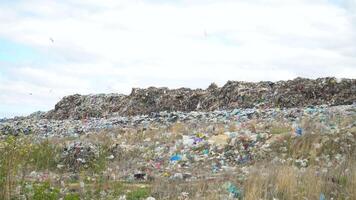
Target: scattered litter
{"x": 176, "y": 158}
{"x": 233, "y": 190}
{"x": 322, "y": 196}
{"x": 299, "y": 131}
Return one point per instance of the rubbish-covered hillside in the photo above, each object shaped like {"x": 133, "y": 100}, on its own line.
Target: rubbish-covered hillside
{"x": 234, "y": 142}
{"x": 234, "y": 94}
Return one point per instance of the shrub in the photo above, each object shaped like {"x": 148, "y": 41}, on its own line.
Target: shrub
{"x": 72, "y": 197}
{"x": 45, "y": 191}
{"x": 44, "y": 156}
{"x": 138, "y": 194}
{"x": 14, "y": 152}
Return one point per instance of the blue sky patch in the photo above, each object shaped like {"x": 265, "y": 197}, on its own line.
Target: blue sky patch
{"x": 17, "y": 53}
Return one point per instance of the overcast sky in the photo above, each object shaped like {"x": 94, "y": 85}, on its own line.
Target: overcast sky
{"x": 49, "y": 49}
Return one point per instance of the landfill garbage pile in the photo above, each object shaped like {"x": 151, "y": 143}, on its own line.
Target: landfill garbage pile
{"x": 79, "y": 106}
{"x": 229, "y": 137}
{"x": 220, "y": 147}
{"x": 234, "y": 94}
{"x": 77, "y": 155}
{"x": 286, "y": 140}
{"x": 75, "y": 128}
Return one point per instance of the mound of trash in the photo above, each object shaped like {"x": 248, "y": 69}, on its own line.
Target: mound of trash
{"x": 216, "y": 148}
{"x": 234, "y": 94}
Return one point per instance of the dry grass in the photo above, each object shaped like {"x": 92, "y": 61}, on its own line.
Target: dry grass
{"x": 200, "y": 189}
{"x": 276, "y": 130}
{"x": 232, "y": 127}
{"x": 288, "y": 182}
{"x": 256, "y": 185}
{"x": 350, "y": 188}
{"x": 178, "y": 128}
{"x": 317, "y": 140}
{"x": 268, "y": 181}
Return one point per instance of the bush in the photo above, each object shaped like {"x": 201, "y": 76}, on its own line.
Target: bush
{"x": 14, "y": 152}
{"x": 17, "y": 155}
{"x": 43, "y": 156}
{"x": 72, "y": 197}
{"x": 138, "y": 194}
{"x": 45, "y": 191}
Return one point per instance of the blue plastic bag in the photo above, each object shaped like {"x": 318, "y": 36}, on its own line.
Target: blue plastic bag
{"x": 233, "y": 190}
{"x": 176, "y": 158}
{"x": 299, "y": 131}
{"x": 322, "y": 196}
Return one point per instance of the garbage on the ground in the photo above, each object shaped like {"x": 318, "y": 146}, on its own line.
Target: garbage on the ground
{"x": 82, "y": 184}
{"x": 188, "y": 140}
{"x": 176, "y": 157}
{"x": 299, "y": 131}
{"x": 234, "y": 94}
{"x": 78, "y": 154}
{"x": 75, "y": 128}
{"x": 206, "y": 151}
{"x": 177, "y": 176}
{"x": 191, "y": 144}
{"x": 183, "y": 196}
{"x": 140, "y": 176}
{"x": 322, "y": 196}
{"x": 122, "y": 197}
{"x": 233, "y": 190}
{"x": 301, "y": 162}
{"x": 219, "y": 140}
{"x": 219, "y": 150}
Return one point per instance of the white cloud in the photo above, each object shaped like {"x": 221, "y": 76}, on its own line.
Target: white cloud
{"x": 111, "y": 46}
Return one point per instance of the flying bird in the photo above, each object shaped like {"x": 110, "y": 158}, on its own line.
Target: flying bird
{"x": 51, "y": 39}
